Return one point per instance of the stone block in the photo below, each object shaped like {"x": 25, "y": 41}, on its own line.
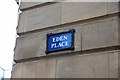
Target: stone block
{"x": 30, "y": 69}
{"x": 39, "y": 69}
{"x": 40, "y": 18}
{"x": 113, "y": 7}
{"x": 25, "y": 5}
{"x": 29, "y": 3}
{"x": 119, "y": 63}
{"x": 20, "y": 26}
{"x": 29, "y": 46}
{"x": 100, "y": 34}
{"x": 84, "y": 66}
{"x": 75, "y": 11}
{"x": 17, "y": 71}
{"x": 113, "y": 64}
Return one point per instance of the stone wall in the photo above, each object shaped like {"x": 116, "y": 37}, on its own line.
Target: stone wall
{"x": 96, "y": 40}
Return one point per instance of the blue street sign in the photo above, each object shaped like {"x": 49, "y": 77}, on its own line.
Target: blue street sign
{"x": 60, "y": 41}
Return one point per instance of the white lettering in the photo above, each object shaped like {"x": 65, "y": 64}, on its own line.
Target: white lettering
{"x": 65, "y": 37}
{"x": 61, "y": 38}
{"x": 53, "y": 39}
{"x": 61, "y": 44}
{"x": 58, "y": 38}
{"x": 66, "y": 43}
{"x": 53, "y": 45}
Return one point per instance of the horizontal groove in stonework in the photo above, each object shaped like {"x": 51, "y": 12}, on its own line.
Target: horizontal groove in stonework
{"x": 73, "y": 53}
{"x": 37, "y": 6}
{"x": 82, "y": 22}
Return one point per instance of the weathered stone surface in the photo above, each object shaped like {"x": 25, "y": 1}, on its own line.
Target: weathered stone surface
{"x": 94, "y": 65}
{"x": 119, "y": 63}
{"x": 20, "y": 27}
{"x": 89, "y": 35}
{"x": 100, "y": 34}
{"x": 103, "y": 33}
{"x": 86, "y": 66}
{"x": 34, "y": 45}
{"x": 41, "y": 17}
{"x": 17, "y": 71}
{"x": 60, "y": 13}
{"x": 35, "y": 69}
{"x": 113, "y": 7}
{"x": 113, "y": 64}
{"x": 30, "y": 69}
{"x": 29, "y": 46}
{"x": 24, "y": 5}
{"x": 50, "y": 66}
{"x": 30, "y": 3}
{"x": 74, "y": 11}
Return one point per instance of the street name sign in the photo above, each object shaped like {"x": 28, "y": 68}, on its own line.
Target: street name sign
{"x": 60, "y": 41}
